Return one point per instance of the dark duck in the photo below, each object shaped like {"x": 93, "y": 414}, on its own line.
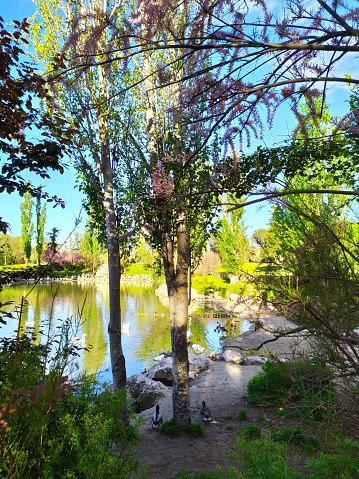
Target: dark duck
{"x": 156, "y": 419}
{"x": 205, "y": 412}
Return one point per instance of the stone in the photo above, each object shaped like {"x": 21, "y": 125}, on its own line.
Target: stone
{"x": 254, "y": 360}
{"x": 233, "y": 356}
{"x": 144, "y": 393}
{"x": 162, "y": 371}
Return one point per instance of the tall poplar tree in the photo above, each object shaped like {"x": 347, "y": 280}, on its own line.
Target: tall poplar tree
{"x": 77, "y": 29}
{"x": 40, "y": 228}
{"x": 27, "y": 227}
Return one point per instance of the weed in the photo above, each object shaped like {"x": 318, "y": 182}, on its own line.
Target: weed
{"x": 242, "y": 415}
{"x": 216, "y": 474}
{"x": 293, "y": 435}
{"x": 195, "y": 429}
{"x": 264, "y": 459}
{"x": 251, "y": 431}
{"x": 169, "y": 428}
{"x": 305, "y": 384}
{"x": 342, "y": 462}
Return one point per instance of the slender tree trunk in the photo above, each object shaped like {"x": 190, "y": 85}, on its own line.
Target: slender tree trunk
{"x": 177, "y": 287}
{"x": 118, "y": 363}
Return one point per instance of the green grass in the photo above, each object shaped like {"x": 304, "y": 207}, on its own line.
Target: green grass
{"x": 137, "y": 268}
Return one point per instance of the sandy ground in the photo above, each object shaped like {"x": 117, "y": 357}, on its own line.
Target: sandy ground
{"x": 222, "y": 386}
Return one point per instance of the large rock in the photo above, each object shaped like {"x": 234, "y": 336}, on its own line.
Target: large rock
{"x": 233, "y": 356}
{"x": 162, "y": 371}
{"x": 144, "y": 392}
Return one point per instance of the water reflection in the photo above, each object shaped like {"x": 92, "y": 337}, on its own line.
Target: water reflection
{"x": 147, "y": 320}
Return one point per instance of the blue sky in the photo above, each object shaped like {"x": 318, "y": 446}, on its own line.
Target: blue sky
{"x": 61, "y": 185}
{"x": 64, "y": 185}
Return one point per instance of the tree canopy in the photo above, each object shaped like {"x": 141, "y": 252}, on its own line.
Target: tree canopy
{"x": 30, "y": 139}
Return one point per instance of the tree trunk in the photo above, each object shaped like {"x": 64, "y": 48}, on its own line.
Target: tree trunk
{"x": 177, "y": 286}
{"x": 118, "y": 364}
{"x": 114, "y": 328}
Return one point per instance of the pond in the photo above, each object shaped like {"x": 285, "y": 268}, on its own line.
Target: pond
{"x": 146, "y": 321}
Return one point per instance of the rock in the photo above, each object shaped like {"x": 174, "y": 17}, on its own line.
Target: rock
{"x": 273, "y": 323}
{"x": 213, "y": 356}
{"x": 254, "y": 360}
{"x": 198, "y": 363}
{"x": 162, "y": 371}
{"x": 144, "y": 392}
{"x": 233, "y": 356}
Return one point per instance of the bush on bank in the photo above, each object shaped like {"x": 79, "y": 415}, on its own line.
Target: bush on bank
{"x": 52, "y": 427}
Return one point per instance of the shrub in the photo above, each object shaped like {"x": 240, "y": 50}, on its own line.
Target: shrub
{"x": 293, "y": 435}
{"x": 168, "y": 427}
{"x": 305, "y": 386}
{"x": 242, "y": 415}
{"x": 341, "y": 463}
{"x": 264, "y": 459}
{"x": 251, "y": 431}
{"x": 51, "y": 428}
{"x": 195, "y": 429}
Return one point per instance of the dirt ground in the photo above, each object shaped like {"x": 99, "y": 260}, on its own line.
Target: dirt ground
{"x": 222, "y": 386}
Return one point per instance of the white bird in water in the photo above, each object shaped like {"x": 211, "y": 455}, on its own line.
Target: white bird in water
{"x": 81, "y": 340}
{"x": 156, "y": 419}
{"x": 205, "y": 413}
{"x": 125, "y": 328}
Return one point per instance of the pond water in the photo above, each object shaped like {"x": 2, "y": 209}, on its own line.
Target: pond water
{"x": 87, "y": 308}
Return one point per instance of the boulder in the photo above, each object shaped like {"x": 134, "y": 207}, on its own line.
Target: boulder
{"x": 233, "y": 356}
{"x": 144, "y": 393}
{"x": 254, "y": 360}
{"x": 162, "y": 371}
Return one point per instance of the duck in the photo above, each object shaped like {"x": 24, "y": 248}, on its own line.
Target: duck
{"x": 156, "y": 419}
{"x": 81, "y": 340}
{"x": 125, "y": 328}
{"x": 189, "y": 335}
{"x": 205, "y": 413}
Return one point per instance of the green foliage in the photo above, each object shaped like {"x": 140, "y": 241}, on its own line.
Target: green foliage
{"x": 242, "y": 415}
{"x": 232, "y": 243}
{"x": 11, "y": 251}
{"x": 168, "y": 427}
{"x": 295, "y": 436}
{"x": 269, "y": 244}
{"x": 342, "y": 462}
{"x": 40, "y": 227}
{"x": 137, "y": 268}
{"x": 217, "y": 474}
{"x": 51, "y": 428}
{"x": 27, "y": 226}
{"x": 251, "y": 431}
{"x": 195, "y": 429}
{"x": 304, "y": 386}
{"x": 265, "y": 459}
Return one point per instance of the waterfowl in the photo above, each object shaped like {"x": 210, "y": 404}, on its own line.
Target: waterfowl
{"x": 189, "y": 334}
{"x": 156, "y": 419}
{"x": 125, "y": 328}
{"x": 30, "y": 324}
{"x": 81, "y": 340}
{"x": 205, "y": 413}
